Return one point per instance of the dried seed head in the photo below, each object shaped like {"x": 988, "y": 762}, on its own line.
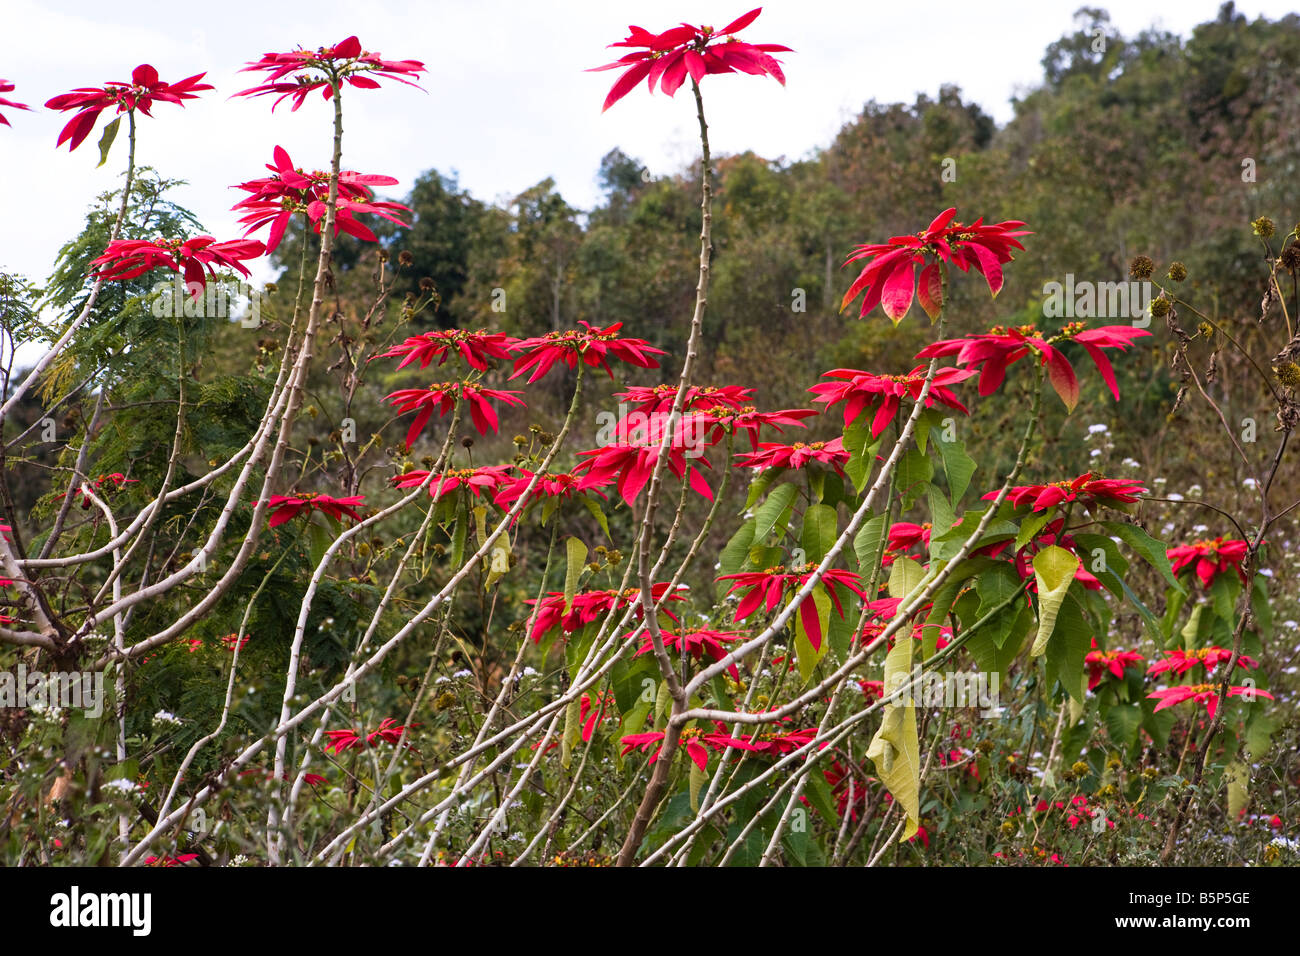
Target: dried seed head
{"x": 1141, "y": 267}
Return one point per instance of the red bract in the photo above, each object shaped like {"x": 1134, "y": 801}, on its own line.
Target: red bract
{"x": 595, "y": 347}
{"x": 698, "y": 643}
{"x": 1180, "y": 661}
{"x": 287, "y": 507}
{"x": 767, "y": 588}
{"x": 170, "y": 860}
{"x": 648, "y": 399}
{"x": 275, "y": 199}
{"x": 890, "y": 277}
{"x": 1211, "y": 557}
{"x": 632, "y": 462}
{"x": 666, "y": 58}
{"x": 477, "y": 348}
{"x": 773, "y": 455}
{"x": 779, "y": 743}
{"x": 298, "y": 72}
{"x": 1207, "y": 694}
{"x": 144, "y": 89}
{"x": 128, "y": 258}
{"x": 714, "y": 424}
{"x": 483, "y": 480}
{"x": 115, "y": 480}
{"x": 1086, "y": 489}
{"x": 7, "y": 87}
{"x": 341, "y": 740}
{"x": 1100, "y": 663}
{"x": 993, "y": 352}
{"x": 550, "y": 485}
{"x": 861, "y": 390}
{"x": 441, "y": 398}
{"x": 589, "y": 605}
{"x": 693, "y": 740}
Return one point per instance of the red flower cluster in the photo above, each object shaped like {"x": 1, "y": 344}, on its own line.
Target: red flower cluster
{"x": 116, "y": 481}
{"x": 442, "y": 399}
{"x": 589, "y": 605}
{"x": 128, "y": 258}
{"x": 862, "y": 390}
{"x": 1086, "y": 489}
{"x": 287, "y": 507}
{"x": 477, "y": 348}
{"x": 766, "y": 589}
{"x": 631, "y": 463}
{"x": 485, "y": 479}
{"x": 561, "y": 485}
{"x": 666, "y": 58}
{"x": 1180, "y": 661}
{"x": 276, "y": 198}
{"x": 1100, "y": 663}
{"x": 594, "y": 346}
{"x": 298, "y": 72}
{"x": 1210, "y": 557}
{"x": 890, "y": 277}
{"x": 144, "y": 89}
{"x": 1207, "y": 694}
{"x": 388, "y": 730}
{"x": 698, "y": 643}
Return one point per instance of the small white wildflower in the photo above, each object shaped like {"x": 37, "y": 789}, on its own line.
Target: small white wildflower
{"x": 463, "y": 673}
{"x": 1175, "y": 496}
{"x": 442, "y": 679}
{"x": 1097, "y": 429}
{"x": 1249, "y": 483}
{"x": 163, "y": 717}
{"x": 1094, "y": 453}
{"x": 126, "y": 786}
{"x": 1130, "y": 463}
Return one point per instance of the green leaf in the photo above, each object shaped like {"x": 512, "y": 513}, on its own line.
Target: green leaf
{"x": 1030, "y": 527}
{"x": 861, "y": 449}
{"x": 576, "y": 556}
{"x": 697, "y": 778}
{"x": 1071, "y": 639}
{"x": 958, "y": 466}
{"x": 596, "y": 512}
{"x": 895, "y": 749}
{"x": 769, "y": 512}
{"x": 1122, "y": 723}
{"x": 820, "y": 529}
{"x": 913, "y": 476}
{"x": 820, "y": 796}
{"x": 904, "y": 577}
{"x": 319, "y": 540}
{"x": 1238, "y": 778}
{"x": 572, "y": 732}
{"x": 732, "y": 557}
{"x": 867, "y": 543}
{"x": 758, "y": 487}
{"x": 1053, "y": 570}
{"x": 106, "y": 140}
{"x": 1152, "y": 551}
{"x": 458, "y": 537}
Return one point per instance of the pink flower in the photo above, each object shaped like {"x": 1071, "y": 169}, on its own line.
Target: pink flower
{"x": 7, "y": 87}
{"x": 287, "y": 507}
{"x": 144, "y": 89}
{"x": 774, "y": 455}
{"x": 128, "y": 258}
{"x": 298, "y": 72}
{"x": 441, "y": 398}
{"x": 666, "y": 58}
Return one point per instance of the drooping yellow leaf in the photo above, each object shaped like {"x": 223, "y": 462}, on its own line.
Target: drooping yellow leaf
{"x": 895, "y": 749}
{"x": 1053, "y": 571}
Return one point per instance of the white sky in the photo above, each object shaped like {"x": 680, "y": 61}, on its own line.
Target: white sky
{"x": 508, "y": 103}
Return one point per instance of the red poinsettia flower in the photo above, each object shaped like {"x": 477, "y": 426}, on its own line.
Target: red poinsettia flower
{"x": 993, "y": 352}
{"x": 861, "y": 390}
{"x": 1211, "y": 557}
{"x": 714, "y": 424}
{"x": 693, "y": 740}
{"x": 594, "y": 346}
{"x": 550, "y": 485}
{"x": 298, "y": 72}
{"x": 774, "y": 455}
{"x": 275, "y": 199}
{"x": 666, "y": 58}
{"x": 890, "y": 276}
{"x": 1100, "y": 663}
{"x": 287, "y": 507}
{"x": 441, "y": 397}
{"x": 1086, "y": 489}
{"x": 1207, "y": 694}
{"x": 778, "y": 743}
{"x": 698, "y": 643}
{"x": 477, "y": 348}
{"x": 767, "y": 588}
{"x": 903, "y": 536}
{"x": 141, "y": 93}
{"x": 230, "y": 641}
{"x": 128, "y": 258}
{"x": 485, "y": 479}
{"x": 631, "y": 462}
{"x": 589, "y": 605}
{"x": 877, "y": 614}
{"x": 170, "y": 860}
{"x": 114, "y": 482}
{"x": 1180, "y": 661}
{"x": 647, "y": 399}
{"x": 7, "y": 87}
{"x": 388, "y": 730}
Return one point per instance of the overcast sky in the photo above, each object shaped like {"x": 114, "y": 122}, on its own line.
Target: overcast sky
{"x": 507, "y": 101}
